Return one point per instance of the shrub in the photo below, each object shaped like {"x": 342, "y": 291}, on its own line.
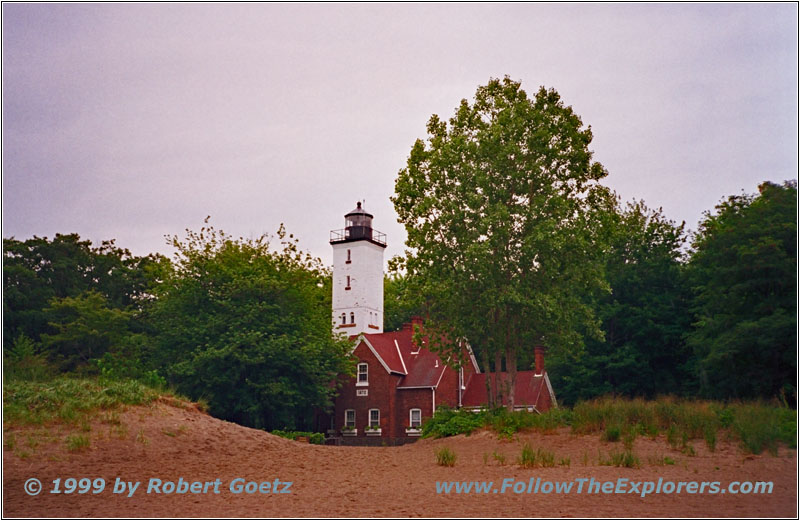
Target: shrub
{"x": 449, "y": 422}
{"x": 445, "y": 457}
{"x": 316, "y": 438}
{"x": 23, "y": 361}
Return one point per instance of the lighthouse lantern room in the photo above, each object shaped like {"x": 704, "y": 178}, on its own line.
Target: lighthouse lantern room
{"x": 358, "y": 275}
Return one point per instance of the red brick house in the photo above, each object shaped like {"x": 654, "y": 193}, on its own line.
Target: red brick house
{"x": 398, "y": 384}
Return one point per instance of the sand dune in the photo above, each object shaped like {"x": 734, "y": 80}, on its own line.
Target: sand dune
{"x": 183, "y": 446}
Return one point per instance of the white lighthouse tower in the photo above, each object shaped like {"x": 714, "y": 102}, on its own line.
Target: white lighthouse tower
{"x": 358, "y": 275}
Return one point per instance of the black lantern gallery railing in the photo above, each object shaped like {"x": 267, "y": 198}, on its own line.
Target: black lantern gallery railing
{"x": 357, "y": 233}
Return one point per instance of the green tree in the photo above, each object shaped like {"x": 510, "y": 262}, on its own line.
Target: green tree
{"x": 644, "y": 318}
{"x": 502, "y": 209}
{"x": 38, "y": 270}
{"x": 85, "y": 328}
{"x": 249, "y": 329}
{"x": 400, "y": 303}
{"x": 743, "y": 271}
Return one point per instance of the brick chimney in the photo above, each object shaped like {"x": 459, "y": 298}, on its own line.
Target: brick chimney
{"x": 538, "y": 354}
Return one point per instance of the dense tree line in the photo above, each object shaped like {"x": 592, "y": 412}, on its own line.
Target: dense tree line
{"x": 513, "y": 243}
{"x": 234, "y": 322}
{"x": 247, "y": 327}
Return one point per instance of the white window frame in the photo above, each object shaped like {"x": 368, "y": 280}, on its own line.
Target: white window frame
{"x": 346, "y": 424}
{"x": 411, "y": 419}
{"x": 377, "y": 423}
{"x": 364, "y": 383}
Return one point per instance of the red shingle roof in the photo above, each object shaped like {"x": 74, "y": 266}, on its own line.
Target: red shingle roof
{"x": 420, "y": 367}
{"x": 423, "y": 368}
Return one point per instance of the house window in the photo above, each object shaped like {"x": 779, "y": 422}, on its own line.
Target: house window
{"x": 352, "y": 318}
{"x": 415, "y": 418}
{"x": 348, "y": 258}
{"x": 362, "y": 374}
{"x": 350, "y": 418}
{"x": 374, "y": 418}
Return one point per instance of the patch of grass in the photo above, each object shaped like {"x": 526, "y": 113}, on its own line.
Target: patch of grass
{"x": 759, "y": 427}
{"x": 611, "y": 433}
{"x": 445, "y": 457}
{"x": 31, "y": 442}
{"x": 141, "y": 438}
{"x": 710, "y": 436}
{"x": 621, "y": 459}
{"x": 77, "y": 442}
{"x": 499, "y": 458}
{"x": 119, "y": 431}
{"x": 110, "y": 418}
{"x": 71, "y": 400}
{"x": 530, "y": 458}
{"x": 564, "y": 462}
{"x": 660, "y": 460}
{"x": 585, "y": 459}
{"x": 10, "y": 441}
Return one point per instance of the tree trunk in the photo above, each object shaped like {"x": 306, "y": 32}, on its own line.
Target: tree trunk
{"x": 498, "y": 377}
{"x": 511, "y": 369}
{"x": 488, "y": 373}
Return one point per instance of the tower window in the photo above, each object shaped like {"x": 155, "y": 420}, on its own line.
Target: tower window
{"x": 344, "y": 319}
{"x": 348, "y": 257}
{"x": 348, "y": 282}
{"x": 352, "y": 318}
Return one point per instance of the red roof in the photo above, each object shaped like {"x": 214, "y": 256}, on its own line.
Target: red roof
{"x": 386, "y": 349}
{"x": 528, "y": 388}
{"x": 420, "y": 367}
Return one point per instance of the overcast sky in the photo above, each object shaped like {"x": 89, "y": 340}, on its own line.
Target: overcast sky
{"x": 132, "y": 121}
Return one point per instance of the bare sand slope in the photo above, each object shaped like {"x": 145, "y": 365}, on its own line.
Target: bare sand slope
{"x": 168, "y": 443}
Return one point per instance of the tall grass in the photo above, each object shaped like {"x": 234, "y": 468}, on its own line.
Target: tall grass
{"x": 757, "y": 425}
{"x": 445, "y": 457}
{"x": 68, "y": 399}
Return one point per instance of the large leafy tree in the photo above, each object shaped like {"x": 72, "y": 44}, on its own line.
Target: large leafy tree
{"x": 400, "y": 303}
{"x": 644, "y": 318}
{"x": 743, "y": 272}
{"x": 501, "y": 209}
{"x": 51, "y": 286}
{"x": 248, "y": 328}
